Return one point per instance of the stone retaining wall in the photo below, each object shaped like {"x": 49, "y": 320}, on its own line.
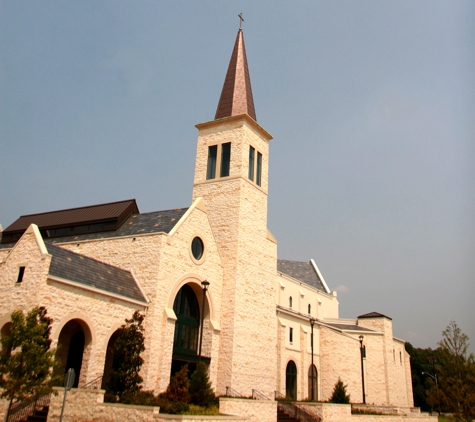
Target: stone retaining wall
{"x": 329, "y": 412}
{"x": 255, "y": 410}
{"x": 88, "y": 406}
{"x": 191, "y": 418}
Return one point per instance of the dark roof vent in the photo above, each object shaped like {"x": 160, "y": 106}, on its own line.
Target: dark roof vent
{"x": 73, "y": 221}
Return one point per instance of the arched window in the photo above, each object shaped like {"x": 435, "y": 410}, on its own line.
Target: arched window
{"x": 291, "y": 381}
{"x": 312, "y": 383}
{"x": 187, "y": 310}
{"x": 290, "y": 302}
{"x": 309, "y": 309}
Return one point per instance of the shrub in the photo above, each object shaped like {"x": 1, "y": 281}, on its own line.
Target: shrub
{"x": 201, "y": 393}
{"x": 339, "y": 393}
{"x": 177, "y": 390}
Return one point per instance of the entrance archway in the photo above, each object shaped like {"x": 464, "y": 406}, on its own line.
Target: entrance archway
{"x": 312, "y": 383}
{"x": 109, "y": 359}
{"x": 73, "y": 341}
{"x": 187, "y": 330}
{"x": 291, "y": 380}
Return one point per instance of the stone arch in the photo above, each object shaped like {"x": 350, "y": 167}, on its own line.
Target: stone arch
{"x": 291, "y": 380}
{"x": 109, "y": 358}
{"x": 74, "y": 340}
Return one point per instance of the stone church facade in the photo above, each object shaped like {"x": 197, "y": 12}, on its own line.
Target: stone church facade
{"x": 267, "y": 324}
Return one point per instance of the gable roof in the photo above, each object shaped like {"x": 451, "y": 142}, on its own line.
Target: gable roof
{"x": 302, "y": 271}
{"x": 93, "y": 273}
{"x": 373, "y": 315}
{"x": 136, "y": 224}
{"x": 236, "y": 96}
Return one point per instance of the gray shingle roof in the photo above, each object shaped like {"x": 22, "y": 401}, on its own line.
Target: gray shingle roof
{"x": 152, "y": 222}
{"x": 92, "y": 273}
{"x": 374, "y": 315}
{"x": 302, "y": 271}
{"x": 348, "y": 327}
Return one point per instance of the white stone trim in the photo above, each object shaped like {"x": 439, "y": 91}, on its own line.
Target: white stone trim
{"x": 95, "y": 290}
{"x": 320, "y": 275}
{"x": 170, "y": 314}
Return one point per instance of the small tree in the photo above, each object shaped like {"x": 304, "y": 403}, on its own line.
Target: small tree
{"x": 177, "y": 390}
{"x": 200, "y": 389}
{"x": 339, "y": 393}
{"x": 126, "y": 360}
{"x": 26, "y": 366}
{"x": 456, "y": 375}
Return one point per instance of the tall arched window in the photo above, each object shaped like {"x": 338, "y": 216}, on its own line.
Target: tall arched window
{"x": 312, "y": 383}
{"x": 187, "y": 311}
{"x": 290, "y": 302}
{"x": 291, "y": 380}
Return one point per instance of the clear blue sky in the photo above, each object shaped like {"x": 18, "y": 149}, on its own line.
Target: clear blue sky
{"x": 371, "y": 104}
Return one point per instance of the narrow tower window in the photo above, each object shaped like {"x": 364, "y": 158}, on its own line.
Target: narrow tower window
{"x": 290, "y": 302}
{"x": 259, "y": 169}
{"x": 309, "y": 309}
{"x": 225, "y": 159}
{"x": 291, "y": 334}
{"x": 252, "y": 152}
{"x": 212, "y": 154}
{"x": 21, "y": 272}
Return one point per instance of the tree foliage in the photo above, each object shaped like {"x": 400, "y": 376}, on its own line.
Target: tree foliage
{"x": 126, "y": 361}
{"x": 200, "y": 389}
{"x": 339, "y": 393}
{"x": 177, "y": 390}
{"x": 27, "y": 362}
{"x": 456, "y": 375}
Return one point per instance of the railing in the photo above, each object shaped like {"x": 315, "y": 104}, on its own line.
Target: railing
{"x": 23, "y": 409}
{"x": 297, "y": 412}
{"x": 278, "y": 396}
{"x": 95, "y": 384}
{"x": 257, "y": 395}
{"x": 232, "y": 393}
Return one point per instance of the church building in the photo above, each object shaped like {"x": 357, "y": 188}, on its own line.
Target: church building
{"x": 206, "y": 277}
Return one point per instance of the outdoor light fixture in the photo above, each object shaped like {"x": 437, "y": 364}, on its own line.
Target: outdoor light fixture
{"x": 204, "y": 286}
{"x": 362, "y": 354}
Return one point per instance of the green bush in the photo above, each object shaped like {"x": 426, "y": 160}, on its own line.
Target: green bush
{"x": 177, "y": 390}
{"x": 201, "y": 393}
{"x": 339, "y": 393}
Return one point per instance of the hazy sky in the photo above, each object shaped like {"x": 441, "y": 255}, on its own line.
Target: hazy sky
{"x": 371, "y": 105}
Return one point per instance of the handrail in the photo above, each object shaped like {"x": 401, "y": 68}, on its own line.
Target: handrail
{"x": 22, "y": 409}
{"x": 297, "y": 412}
{"x": 278, "y": 395}
{"x": 257, "y": 395}
{"x": 232, "y": 393}
{"x": 95, "y": 384}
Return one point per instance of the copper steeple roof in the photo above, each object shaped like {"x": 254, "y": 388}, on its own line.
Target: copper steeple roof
{"x": 236, "y": 96}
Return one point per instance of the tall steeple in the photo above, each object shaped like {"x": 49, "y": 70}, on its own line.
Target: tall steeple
{"x": 236, "y": 96}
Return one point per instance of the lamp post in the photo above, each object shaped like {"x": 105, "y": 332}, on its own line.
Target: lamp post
{"x": 204, "y": 286}
{"x": 312, "y": 323}
{"x": 362, "y": 353}
{"x": 434, "y": 377}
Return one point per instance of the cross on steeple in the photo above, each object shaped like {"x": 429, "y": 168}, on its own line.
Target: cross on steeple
{"x": 241, "y": 20}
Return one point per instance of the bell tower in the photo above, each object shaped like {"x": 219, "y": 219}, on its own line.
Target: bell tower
{"x": 231, "y": 175}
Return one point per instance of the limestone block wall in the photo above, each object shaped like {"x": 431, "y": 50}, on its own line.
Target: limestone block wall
{"x": 162, "y": 264}
{"x": 88, "y": 405}
{"x": 255, "y": 410}
{"x": 340, "y": 357}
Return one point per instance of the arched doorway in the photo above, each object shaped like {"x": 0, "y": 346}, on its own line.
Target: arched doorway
{"x": 109, "y": 359}
{"x": 291, "y": 380}
{"x": 187, "y": 329}
{"x": 73, "y": 340}
{"x": 312, "y": 383}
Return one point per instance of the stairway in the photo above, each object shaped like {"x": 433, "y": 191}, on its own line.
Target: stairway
{"x": 284, "y": 417}
{"x": 38, "y": 416}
